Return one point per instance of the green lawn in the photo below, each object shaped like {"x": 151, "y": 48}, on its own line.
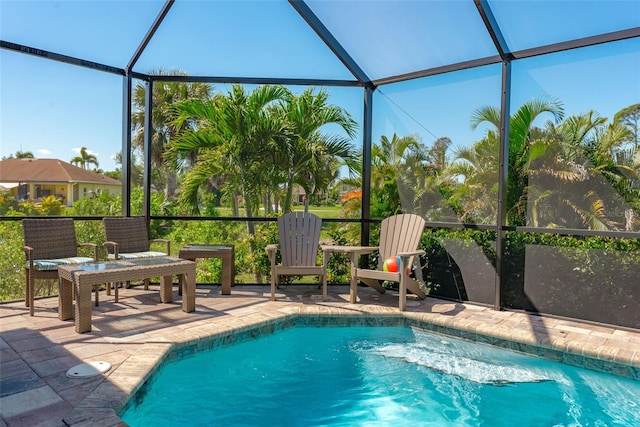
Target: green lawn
{"x": 328, "y": 212}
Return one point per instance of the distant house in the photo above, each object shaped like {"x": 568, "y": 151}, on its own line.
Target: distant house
{"x": 36, "y": 179}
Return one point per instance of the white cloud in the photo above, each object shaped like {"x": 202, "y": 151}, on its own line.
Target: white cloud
{"x": 44, "y": 151}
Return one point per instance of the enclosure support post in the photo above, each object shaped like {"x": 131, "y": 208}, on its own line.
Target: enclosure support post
{"x": 126, "y": 144}
{"x": 366, "y": 166}
{"x": 502, "y": 179}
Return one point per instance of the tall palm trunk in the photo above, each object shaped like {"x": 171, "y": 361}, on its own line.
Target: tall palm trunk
{"x": 251, "y": 231}
{"x": 171, "y": 185}
{"x": 234, "y": 203}
{"x": 286, "y": 207}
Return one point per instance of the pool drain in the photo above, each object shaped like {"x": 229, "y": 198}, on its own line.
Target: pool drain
{"x": 90, "y": 369}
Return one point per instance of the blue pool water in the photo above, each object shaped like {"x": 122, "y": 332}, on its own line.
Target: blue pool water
{"x": 382, "y": 376}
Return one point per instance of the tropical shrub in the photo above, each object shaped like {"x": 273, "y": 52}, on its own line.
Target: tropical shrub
{"x": 12, "y": 261}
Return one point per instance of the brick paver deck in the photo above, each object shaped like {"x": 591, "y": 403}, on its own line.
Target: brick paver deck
{"x": 135, "y": 334}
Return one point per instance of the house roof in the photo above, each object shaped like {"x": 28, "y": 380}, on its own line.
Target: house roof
{"x": 48, "y": 170}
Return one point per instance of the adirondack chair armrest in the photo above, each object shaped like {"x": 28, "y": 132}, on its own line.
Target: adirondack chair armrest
{"x": 358, "y": 250}
{"x": 412, "y": 253}
{"x": 271, "y": 252}
{"x": 93, "y": 246}
{"x": 112, "y": 247}
{"x": 164, "y": 241}
{"x": 365, "y": 250}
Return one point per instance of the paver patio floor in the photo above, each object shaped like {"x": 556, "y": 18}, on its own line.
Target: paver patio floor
{"x": 36, "y": 352}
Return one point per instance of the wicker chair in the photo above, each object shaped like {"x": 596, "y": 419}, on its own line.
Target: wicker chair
{"x": 49, "y": 243}
{"x": 128, "y": 238}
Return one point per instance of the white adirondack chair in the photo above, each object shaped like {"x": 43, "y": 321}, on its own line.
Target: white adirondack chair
{"x": 399, "y": 236}
{"x": 299, "y": 241}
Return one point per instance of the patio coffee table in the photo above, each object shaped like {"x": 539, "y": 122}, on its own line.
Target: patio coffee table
{"x": 82, "y": 277}
{"x": 224, "y": 252}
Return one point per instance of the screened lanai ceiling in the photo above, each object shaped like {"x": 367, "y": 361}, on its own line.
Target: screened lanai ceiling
{"x": 342, "y": 41}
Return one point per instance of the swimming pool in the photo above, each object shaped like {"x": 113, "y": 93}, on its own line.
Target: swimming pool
{"x": 305, "y": 376}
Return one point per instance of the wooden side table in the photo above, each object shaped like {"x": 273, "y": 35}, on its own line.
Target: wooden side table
{"x": 224, "y": 252}
{"x": 354, "y": 252}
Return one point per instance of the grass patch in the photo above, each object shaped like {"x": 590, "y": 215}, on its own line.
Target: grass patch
{"x": 328, "y": 212}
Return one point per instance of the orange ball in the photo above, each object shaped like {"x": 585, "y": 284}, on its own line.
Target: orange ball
{"x": 392, "y": 264}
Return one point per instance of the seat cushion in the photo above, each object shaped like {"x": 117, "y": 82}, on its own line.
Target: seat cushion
{"x": 52, "y": 264}
{"x": 136, "y": 255}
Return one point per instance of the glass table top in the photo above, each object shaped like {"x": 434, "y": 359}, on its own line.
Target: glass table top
{"x": 153, "y": 261}
{"x": 100, "y": 266}
{"x": 204, "y": 246}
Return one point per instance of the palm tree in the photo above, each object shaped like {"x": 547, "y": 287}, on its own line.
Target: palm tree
{"x": 137, "y": 169}
{"x": 165, "y": 96}
{"x": 608, "y": 184}
{"x": 24, "y": 155}
{"x": 630, "y": 118}
{"x": 473, "y": 173}
{"x": 578, "y": 177}
{"x": 85, "y": 159}
{"x": 398, "y": 166}
{"x": 232, "y": 136}
{"x": 423, "y": 184}
{"x": 304, "y": 153}
{"x": 327, "y": 175}
{"x": 522, "y": 146}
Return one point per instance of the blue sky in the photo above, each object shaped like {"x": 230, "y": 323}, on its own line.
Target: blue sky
{"x": 52, "y": 109}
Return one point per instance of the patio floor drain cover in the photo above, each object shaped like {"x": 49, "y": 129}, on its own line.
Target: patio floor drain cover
{"x": 90, "y": 369}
